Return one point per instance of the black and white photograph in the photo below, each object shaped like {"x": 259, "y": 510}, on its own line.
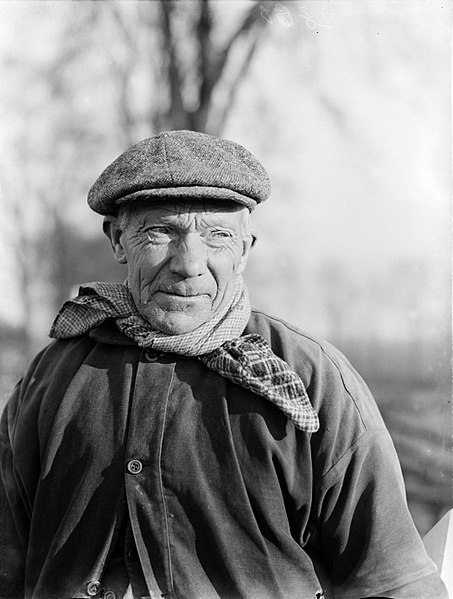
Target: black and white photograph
{"x": 226, "y": 308}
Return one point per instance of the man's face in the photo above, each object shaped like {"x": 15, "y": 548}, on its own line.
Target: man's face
{"x": 183, "y": 260}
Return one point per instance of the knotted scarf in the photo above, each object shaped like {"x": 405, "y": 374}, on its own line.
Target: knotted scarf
{"x": 246, "y": 360}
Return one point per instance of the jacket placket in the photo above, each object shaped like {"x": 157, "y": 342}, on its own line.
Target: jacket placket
{"x": 145, "y": 496}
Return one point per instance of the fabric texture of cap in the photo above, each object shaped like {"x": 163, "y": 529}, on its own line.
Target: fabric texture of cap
{"x": 181, "y": 164}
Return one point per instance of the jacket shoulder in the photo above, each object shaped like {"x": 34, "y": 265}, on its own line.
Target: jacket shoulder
{"x": 285, "y": 338}
{"x": 55, "y": 362}
{"x": 335, "y": 388}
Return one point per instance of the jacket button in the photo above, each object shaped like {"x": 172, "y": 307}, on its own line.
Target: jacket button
{"x": 93, "y": 588}
{"x": 135, "y": 466}
{"x": 132, "y": 555}
{"x": 151, "y": 356}
{"x": 109, "y": 595}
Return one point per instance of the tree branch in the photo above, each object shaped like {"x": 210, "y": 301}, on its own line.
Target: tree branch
{"x": 203, "y": 34}
{"x": 252, "y": 19}
{"x": 175, "y": 111}
{"x": 124, "y": 70}
{"x": 212, "y": 65}
{"x": 233, "y": 88}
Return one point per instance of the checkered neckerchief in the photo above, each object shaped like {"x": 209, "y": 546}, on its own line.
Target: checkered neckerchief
{"x": 246, "y": 360}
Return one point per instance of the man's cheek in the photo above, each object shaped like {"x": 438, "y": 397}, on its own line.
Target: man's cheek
{"x": 141, "y": 265}
{"x": 151, "y": 260}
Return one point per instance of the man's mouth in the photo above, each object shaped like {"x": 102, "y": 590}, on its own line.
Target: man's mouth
{"x": 184, "y": 297}
{"x": 183, "y": 291}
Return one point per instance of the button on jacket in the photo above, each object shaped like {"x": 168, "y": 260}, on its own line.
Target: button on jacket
{"x": 223, "y": 495}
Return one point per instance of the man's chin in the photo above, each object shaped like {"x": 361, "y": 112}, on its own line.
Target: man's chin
{"x": 174, "y": 322}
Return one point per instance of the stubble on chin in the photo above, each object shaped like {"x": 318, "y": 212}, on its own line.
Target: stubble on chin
{"x": 174, "y": 320}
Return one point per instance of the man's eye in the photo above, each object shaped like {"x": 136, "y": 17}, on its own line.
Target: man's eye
{"x": 158, "y": 231}
{"x": 220, "y": 234}
{"x": 157, "y": 234}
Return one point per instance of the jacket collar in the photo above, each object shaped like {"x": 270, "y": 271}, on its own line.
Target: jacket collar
{"x": 108, "y": 332}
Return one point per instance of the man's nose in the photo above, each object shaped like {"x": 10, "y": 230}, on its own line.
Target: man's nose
{"x": 189, "y": 257}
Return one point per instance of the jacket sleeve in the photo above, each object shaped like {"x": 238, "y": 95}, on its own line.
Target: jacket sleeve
{"x": 16, "y": 500}
{"x": 368, "y": 536}
{"x": 426, "y": 587}
{"x": 14, "y": 512}
{"x": 363, "y": 527}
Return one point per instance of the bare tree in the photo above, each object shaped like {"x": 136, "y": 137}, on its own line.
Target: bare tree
{"x": 198, "y": 72}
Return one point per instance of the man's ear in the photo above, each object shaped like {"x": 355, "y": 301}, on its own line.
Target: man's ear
{"x": 115, "y": 236}
{"x": 247, "y": 244}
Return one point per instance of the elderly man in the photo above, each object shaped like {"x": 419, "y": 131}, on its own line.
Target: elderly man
{"x": 173, "y": 443}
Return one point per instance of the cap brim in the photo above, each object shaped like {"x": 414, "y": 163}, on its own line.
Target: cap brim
{"x": 193, "y": 192}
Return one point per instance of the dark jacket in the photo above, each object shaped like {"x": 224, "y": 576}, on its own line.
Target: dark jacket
{"x": 225, "y": 497}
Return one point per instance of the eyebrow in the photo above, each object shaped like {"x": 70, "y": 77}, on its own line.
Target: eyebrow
{"x": 173, "y": 221}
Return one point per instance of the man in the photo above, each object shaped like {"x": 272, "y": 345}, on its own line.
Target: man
{"x": 173, "y": 443}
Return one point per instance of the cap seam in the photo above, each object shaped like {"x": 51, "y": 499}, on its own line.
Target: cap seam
{"x": 188, "y": 185}
{"x": 164, "y": 147}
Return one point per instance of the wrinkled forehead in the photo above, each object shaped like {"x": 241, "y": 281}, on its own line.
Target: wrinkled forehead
{"x": 188, "y": 211}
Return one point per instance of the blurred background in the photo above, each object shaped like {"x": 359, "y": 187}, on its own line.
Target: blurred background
{"x": 346, "y": 103}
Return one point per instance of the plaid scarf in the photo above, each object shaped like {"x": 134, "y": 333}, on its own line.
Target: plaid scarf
{"x": 246, "y": 360}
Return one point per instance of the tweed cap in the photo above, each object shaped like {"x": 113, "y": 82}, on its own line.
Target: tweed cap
{"x": 184, "y": 165}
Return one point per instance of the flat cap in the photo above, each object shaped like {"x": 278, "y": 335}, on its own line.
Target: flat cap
{"x": 181, "y": 164}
